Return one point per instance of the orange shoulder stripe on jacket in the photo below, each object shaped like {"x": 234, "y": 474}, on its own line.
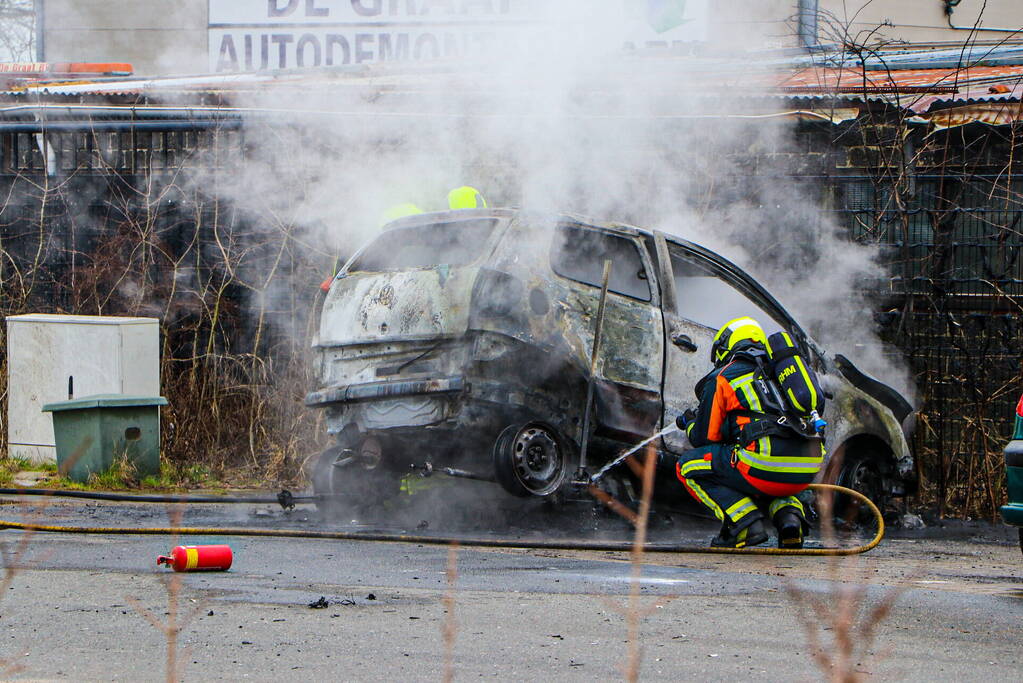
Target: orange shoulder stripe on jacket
{"x": 725, "y": 401}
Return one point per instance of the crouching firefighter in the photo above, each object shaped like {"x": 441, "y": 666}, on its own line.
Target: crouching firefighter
{"x": 756, "y": 437}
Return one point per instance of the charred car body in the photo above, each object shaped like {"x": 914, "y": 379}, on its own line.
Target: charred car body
{"x": 463, "y": 339}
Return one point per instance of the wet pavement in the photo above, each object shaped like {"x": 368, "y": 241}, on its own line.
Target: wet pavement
{"x": 942, "y": 603}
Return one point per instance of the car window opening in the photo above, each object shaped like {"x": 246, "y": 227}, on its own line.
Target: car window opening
{"x": 454, "y": 243}
{"x": 579, "y": 253}
{"x": 707, "y": 299}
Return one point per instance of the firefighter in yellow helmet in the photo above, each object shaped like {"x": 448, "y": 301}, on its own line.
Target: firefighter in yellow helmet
{"x": 463, "y": 197}
{"x": 400, "y": 211}
{"x": 742, "y": 454}
{"x": 466, "y": 197}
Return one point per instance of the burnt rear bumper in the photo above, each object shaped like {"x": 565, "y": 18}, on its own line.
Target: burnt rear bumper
{"x": 369, "y": 391}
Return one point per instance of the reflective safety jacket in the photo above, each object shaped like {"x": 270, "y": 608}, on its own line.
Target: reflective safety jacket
{"x": 776, "y": 465}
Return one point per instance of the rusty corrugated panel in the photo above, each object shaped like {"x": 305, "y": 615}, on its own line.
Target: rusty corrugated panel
{"x": 918, "y": 90}
{"x": 992, "y": 113}
{"x": 995, "y": 93}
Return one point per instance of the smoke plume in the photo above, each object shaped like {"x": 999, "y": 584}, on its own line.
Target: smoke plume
{"x": 560, "y": 116}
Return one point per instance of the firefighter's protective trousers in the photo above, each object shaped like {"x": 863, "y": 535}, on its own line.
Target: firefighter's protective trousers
{"x": 729, "y": 478}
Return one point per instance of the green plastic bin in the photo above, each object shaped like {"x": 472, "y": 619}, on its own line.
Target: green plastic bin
{"x": 93, "y": 432}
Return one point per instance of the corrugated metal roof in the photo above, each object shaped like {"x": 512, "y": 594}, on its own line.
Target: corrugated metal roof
{"x": 985, "y": 93}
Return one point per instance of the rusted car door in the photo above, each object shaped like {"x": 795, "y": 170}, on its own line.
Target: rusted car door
{"x": 629, "y": 364}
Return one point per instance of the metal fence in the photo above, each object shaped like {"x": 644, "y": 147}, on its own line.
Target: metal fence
{"x": 953, "y": 309}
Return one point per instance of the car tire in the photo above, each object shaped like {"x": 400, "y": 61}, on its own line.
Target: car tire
{"x": 861, "y": 473}
{"x": 531, "y": 459}
{"x": 358, "y": 484}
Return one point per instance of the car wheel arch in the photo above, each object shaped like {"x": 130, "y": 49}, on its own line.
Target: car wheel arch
{"x": 863, "y": 445}
{"x": 866, "y": 463}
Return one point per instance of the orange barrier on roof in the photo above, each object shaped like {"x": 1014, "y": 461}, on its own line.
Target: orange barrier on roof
{"x": 30, "y": 69}
{"x": 94, "y": 67}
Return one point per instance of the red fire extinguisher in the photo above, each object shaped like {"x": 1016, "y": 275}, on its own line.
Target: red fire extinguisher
{"x": 198, "y": 558}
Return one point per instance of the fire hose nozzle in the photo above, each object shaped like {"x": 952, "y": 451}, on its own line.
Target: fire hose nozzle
{"x": 425, "y": 470}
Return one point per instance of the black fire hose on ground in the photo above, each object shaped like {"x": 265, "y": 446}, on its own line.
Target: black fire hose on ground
{"x": 552, "y": 544}
{"x": 285, "y": 498}
{"x": 162, "y": 498}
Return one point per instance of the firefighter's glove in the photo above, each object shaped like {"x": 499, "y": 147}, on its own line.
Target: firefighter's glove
{"x": 685, "y": 419}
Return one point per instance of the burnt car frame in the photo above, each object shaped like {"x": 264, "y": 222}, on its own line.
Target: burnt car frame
{"x": 463, "y": 340}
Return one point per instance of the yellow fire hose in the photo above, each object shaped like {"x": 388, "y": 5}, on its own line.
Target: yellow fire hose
{"x": 553, "y": 544}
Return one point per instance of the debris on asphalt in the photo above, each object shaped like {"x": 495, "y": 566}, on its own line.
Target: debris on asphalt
{"x": 911, "y": 521}
{"x": 320, "y": 604}
{"x": 371, "y": 596}
{"x": 423, "y": 525}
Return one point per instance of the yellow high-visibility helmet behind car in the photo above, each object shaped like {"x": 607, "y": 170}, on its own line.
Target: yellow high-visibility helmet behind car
{"x": 466, "y": 197}
{"x": 400, "y": 211}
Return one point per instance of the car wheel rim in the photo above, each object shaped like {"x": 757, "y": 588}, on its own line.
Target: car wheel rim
{"x": 865, "y": 480}
{"x": 538, "y": 461}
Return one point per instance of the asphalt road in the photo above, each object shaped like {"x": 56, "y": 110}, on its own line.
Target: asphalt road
{"x": 938, "y": 604}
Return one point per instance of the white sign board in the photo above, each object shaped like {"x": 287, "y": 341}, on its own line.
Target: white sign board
{"x": 262, "y": 35}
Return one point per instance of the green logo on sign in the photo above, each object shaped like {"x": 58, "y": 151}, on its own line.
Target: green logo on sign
{"x": 664, "y": 15}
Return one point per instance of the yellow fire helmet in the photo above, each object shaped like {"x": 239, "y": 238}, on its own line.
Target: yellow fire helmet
{"x": 731, "y": 334}
{"x": 400, "y": 211}
{"x": 466, "y": 197}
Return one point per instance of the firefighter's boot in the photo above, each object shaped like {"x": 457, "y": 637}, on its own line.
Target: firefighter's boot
{"x": 791, "y": 526}
{"x": 731, "y": 537}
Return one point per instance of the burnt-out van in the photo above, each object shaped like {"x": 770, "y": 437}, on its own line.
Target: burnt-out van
{"x": 463, "y": 340}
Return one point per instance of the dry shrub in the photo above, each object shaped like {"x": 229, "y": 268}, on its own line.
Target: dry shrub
{"x": 236, "y": 296}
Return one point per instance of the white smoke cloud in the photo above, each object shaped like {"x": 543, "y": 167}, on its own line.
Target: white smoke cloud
{"x": 559, "y": 117}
